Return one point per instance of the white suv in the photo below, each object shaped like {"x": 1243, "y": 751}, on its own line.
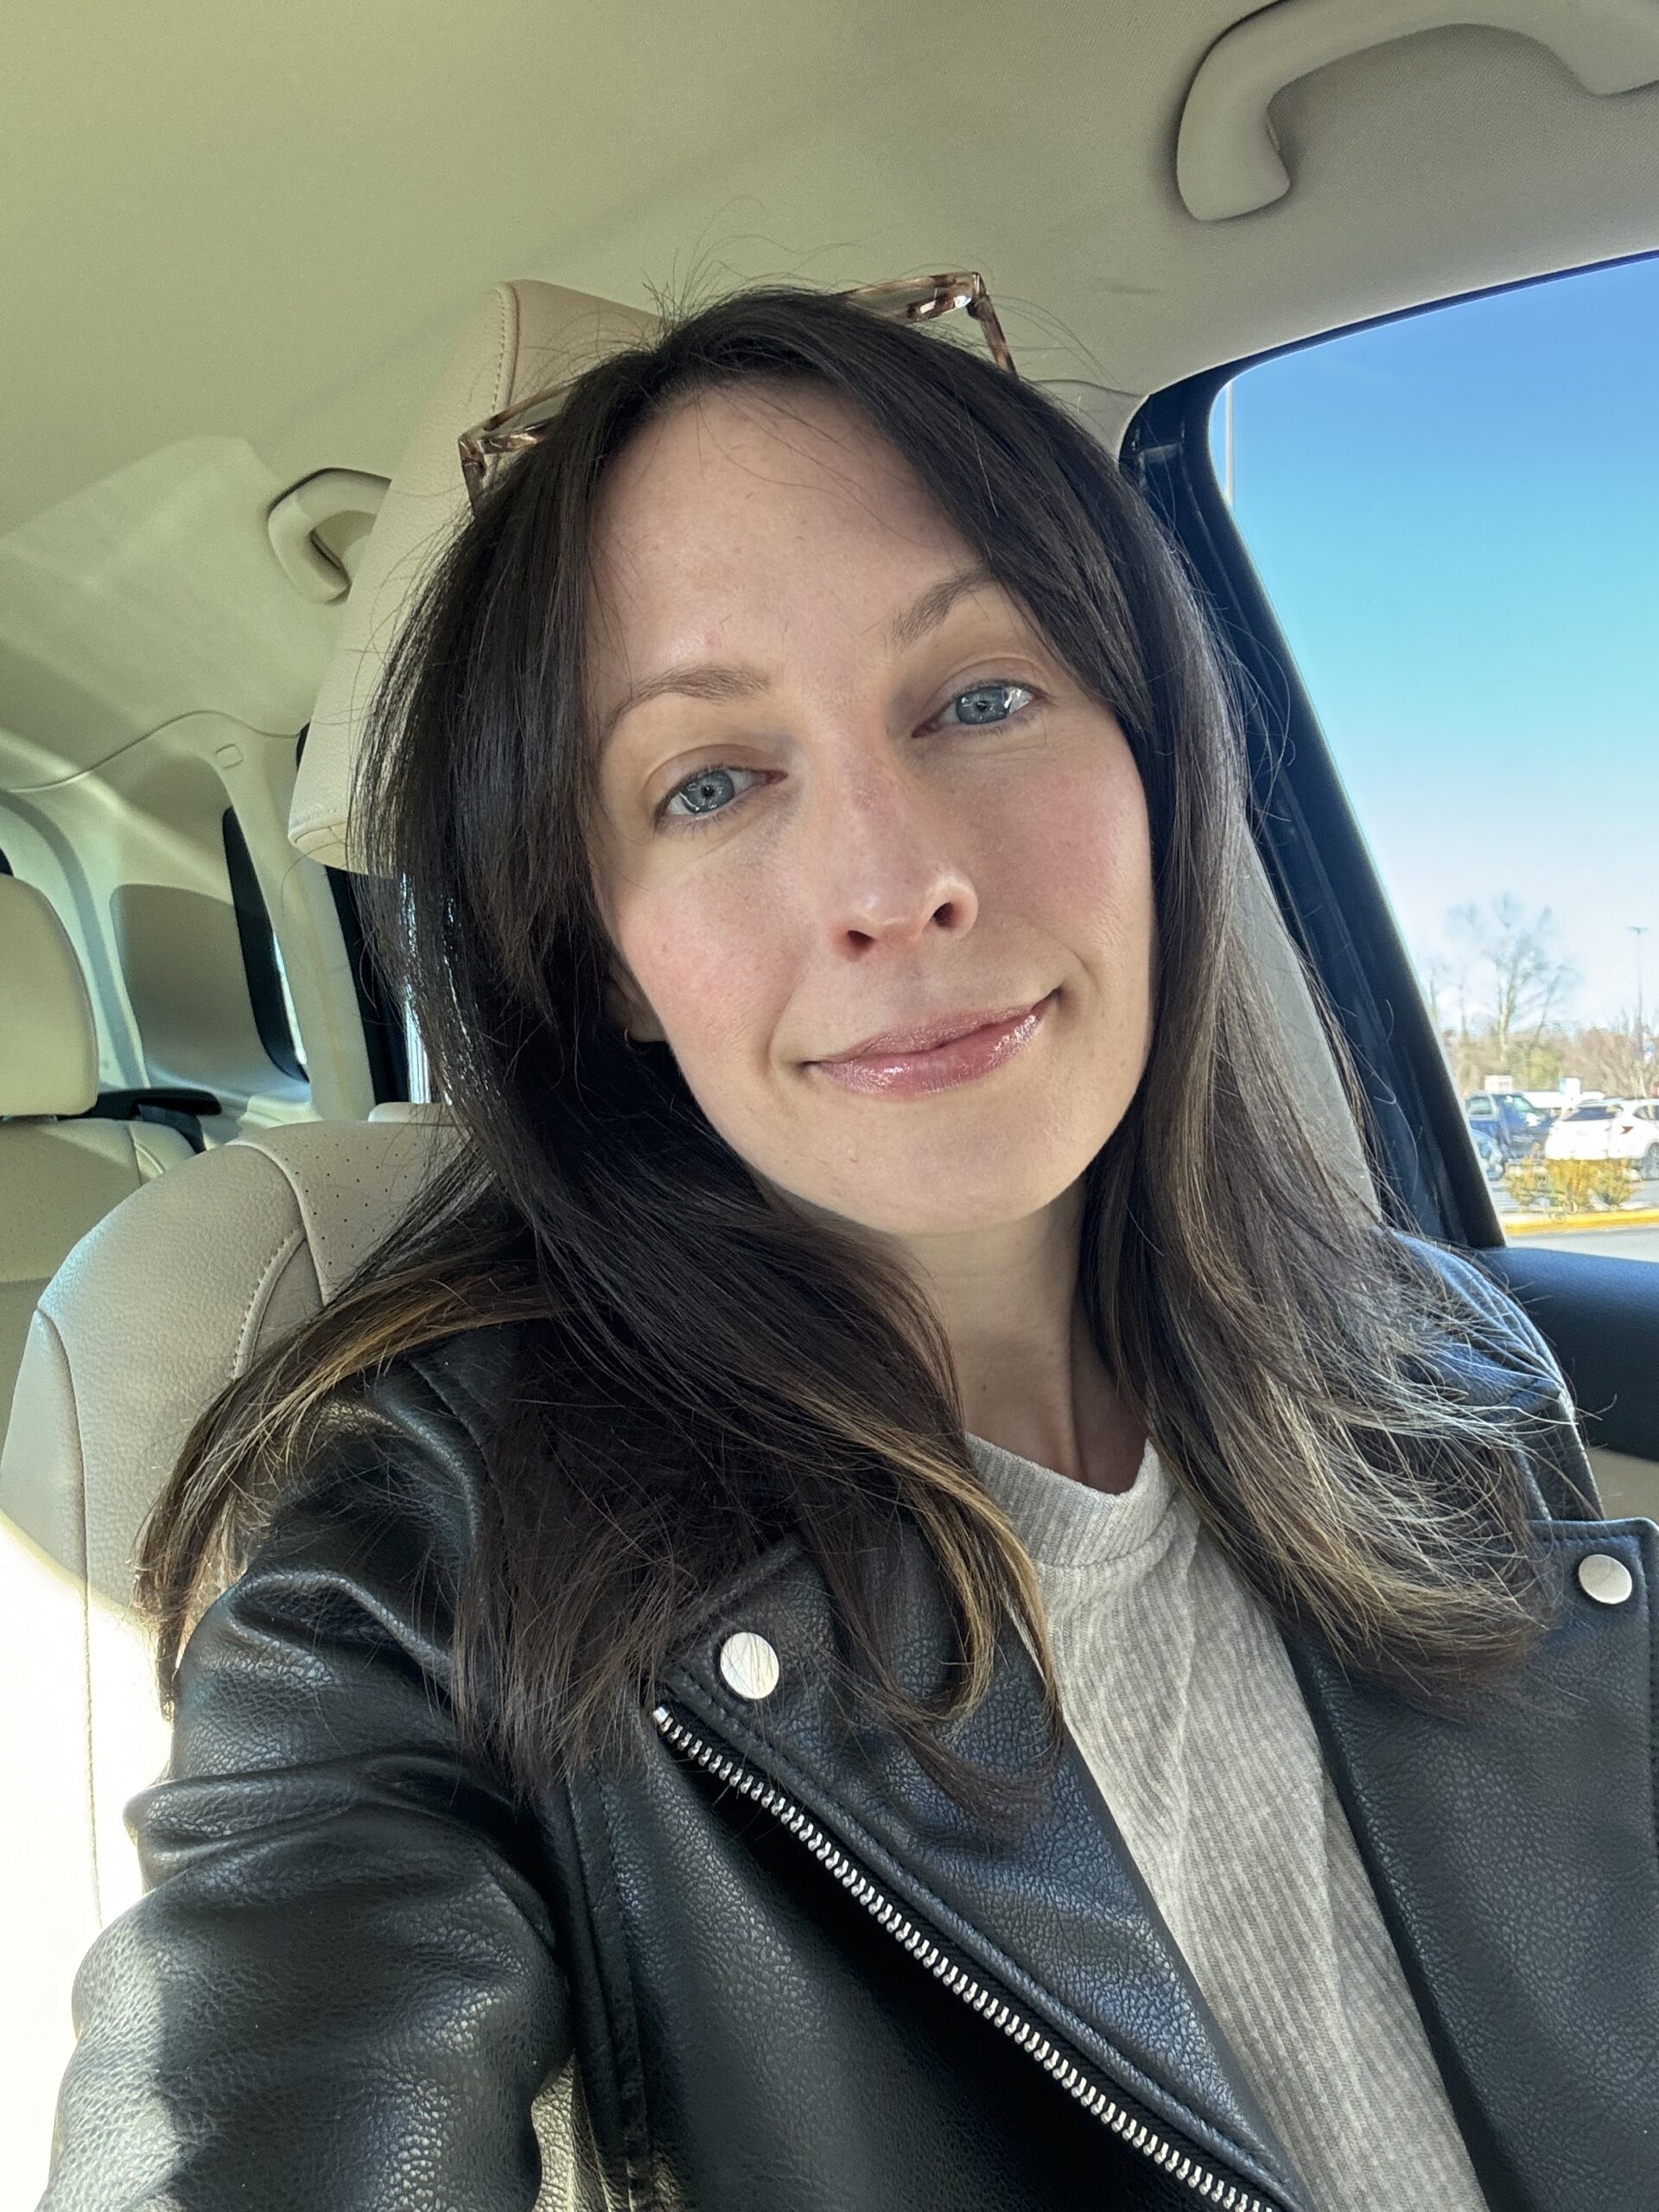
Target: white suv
{"x": 1608, "y": 1129}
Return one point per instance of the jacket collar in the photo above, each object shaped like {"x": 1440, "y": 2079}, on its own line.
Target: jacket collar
{"x": 1513, "y": 1858}
{"x": 1058, "y": 1917}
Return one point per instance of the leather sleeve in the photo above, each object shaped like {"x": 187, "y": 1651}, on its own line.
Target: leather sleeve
{"x": 340, "y": 1988}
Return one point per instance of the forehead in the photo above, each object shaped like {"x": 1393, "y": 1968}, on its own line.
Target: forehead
{"x": 734, "y": 505}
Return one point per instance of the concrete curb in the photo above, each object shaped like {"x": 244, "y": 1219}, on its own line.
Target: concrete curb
{"x": 1521, "y": 1225}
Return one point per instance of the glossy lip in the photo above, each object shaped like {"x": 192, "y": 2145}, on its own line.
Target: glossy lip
{"x": 922, "y": 1036}
{"x": 940, "y": 1067}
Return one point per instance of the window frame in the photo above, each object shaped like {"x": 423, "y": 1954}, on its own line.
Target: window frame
{"x": 1329, "y": 891}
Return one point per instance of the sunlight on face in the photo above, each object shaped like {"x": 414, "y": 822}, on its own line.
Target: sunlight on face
{"x": 827, "y": 839}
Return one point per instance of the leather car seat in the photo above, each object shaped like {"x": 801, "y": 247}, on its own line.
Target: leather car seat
{"x": 187, "y": 1281}
{"x": 57, "y": 1176}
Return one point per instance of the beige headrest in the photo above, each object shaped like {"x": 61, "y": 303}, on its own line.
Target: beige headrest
{"x": 49, "y": 1040}
{"x": 525, "y": 336}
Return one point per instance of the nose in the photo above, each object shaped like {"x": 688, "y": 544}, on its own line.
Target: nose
{"x": 894, "y": 864}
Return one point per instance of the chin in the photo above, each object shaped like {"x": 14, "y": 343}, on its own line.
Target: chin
{"x": 993, "y": 1205}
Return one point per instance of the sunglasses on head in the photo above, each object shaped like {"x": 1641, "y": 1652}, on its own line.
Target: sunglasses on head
{"x": 908, "y": 299}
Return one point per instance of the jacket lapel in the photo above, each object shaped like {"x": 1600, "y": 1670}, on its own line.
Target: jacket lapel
{"x": 1514, "y": 1858}
{"x": 1057, "y": 1916}
{"x": 1515, "y": 1863}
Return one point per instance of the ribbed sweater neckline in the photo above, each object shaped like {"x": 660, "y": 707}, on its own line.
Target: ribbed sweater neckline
{"x": 1065, "y": 1523}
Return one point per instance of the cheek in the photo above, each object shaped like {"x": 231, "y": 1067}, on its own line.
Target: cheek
{"x": 713, "y": 974}
{"x": 1079, "y": 862}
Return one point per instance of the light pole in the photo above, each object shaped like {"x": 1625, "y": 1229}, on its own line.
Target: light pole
{"x": 1638, "y": 930}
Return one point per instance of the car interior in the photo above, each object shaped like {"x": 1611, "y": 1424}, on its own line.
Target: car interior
{"x": 264, "y": 271}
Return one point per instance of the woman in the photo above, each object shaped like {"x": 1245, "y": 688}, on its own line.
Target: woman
{"x": 792, "y": 1639}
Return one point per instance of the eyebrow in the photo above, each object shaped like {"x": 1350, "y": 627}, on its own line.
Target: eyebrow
{"x": 725, "y": 680}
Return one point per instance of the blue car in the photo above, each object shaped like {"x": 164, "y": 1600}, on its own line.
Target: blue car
{"x": 1509, "y": 1122}
{"x": 1489, "y": 1150}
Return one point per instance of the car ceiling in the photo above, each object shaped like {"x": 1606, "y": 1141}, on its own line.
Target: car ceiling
{"x": 271, "y": 225}
{"x": 242, "y": 242}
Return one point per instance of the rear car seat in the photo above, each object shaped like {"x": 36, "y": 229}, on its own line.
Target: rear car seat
{"x": 58, "y": 1175}
{"x": 164, "y": 1300}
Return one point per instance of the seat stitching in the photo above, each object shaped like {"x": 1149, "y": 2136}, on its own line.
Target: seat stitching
{"x": 261, "y": 1297}
{"x": 508, "y": 329}
{"x": 252, "y": 1144}
{"x": 147, "y": 1156}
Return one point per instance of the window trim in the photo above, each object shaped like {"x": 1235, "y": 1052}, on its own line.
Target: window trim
{"x": 258, "y": 939}
{"x": 380, "y": 1021}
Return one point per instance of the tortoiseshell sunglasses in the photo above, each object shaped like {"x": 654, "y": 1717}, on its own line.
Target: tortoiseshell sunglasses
{"x": 910, "y": 299}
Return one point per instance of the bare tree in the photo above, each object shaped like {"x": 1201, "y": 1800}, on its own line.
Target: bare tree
{"x": 1608, "y": 1057}
{"x": 1525, "y": 981}
{"x": 1445, "y": 986}
{"x": 1433, "y": 974}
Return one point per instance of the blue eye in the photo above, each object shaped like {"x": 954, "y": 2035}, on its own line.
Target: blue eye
{"x": 976, "y": 719}
{"x": 981, "y": 715}
{"x": 698, "y": 784}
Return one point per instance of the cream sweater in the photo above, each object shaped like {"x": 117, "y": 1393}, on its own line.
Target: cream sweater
{"x": 1181, "y": 1699}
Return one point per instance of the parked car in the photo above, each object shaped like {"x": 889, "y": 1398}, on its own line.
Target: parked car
{"x": 1608, "y": 1129}
{"x": 1512, "y": 1121}
{"x": 1488, "y": 1149}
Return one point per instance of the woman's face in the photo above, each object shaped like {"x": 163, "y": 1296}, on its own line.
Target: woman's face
{"x": 834, "y": 804}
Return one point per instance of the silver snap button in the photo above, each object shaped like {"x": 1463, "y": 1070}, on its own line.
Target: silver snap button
{"x": 749, "y": 1664}
{"x": 1603, "y": 1578}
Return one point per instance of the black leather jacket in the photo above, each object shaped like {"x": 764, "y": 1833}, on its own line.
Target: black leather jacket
{"x": 788, "y": 1987}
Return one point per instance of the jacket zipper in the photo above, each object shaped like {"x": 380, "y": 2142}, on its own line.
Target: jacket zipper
{"x": 1163, "y": 2150}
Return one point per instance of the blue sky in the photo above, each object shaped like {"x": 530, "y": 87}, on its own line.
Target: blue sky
{"x": 1456, "y": 518}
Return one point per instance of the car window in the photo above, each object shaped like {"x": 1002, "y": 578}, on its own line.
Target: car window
{"x": 1451, "y": 514}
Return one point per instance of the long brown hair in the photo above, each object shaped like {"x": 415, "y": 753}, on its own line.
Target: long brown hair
{"x": 705, "y": 1372}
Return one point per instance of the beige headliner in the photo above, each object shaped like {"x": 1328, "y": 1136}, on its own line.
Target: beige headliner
{"x": 272, "y": 224}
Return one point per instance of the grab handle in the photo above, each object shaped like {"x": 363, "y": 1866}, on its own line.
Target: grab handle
{"x": 1226, "y": 157}
{"x": 297, "y": 515}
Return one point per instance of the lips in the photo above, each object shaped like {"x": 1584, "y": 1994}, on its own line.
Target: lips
{"x": 967, "y": 1059}
{"x": 922, "y": 1037}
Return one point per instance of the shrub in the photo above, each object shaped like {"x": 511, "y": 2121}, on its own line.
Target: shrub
{"x": 1617, "y": 1182}
{"x": 1577, "y": 1186}
{"x": 1526, "y": 1182}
